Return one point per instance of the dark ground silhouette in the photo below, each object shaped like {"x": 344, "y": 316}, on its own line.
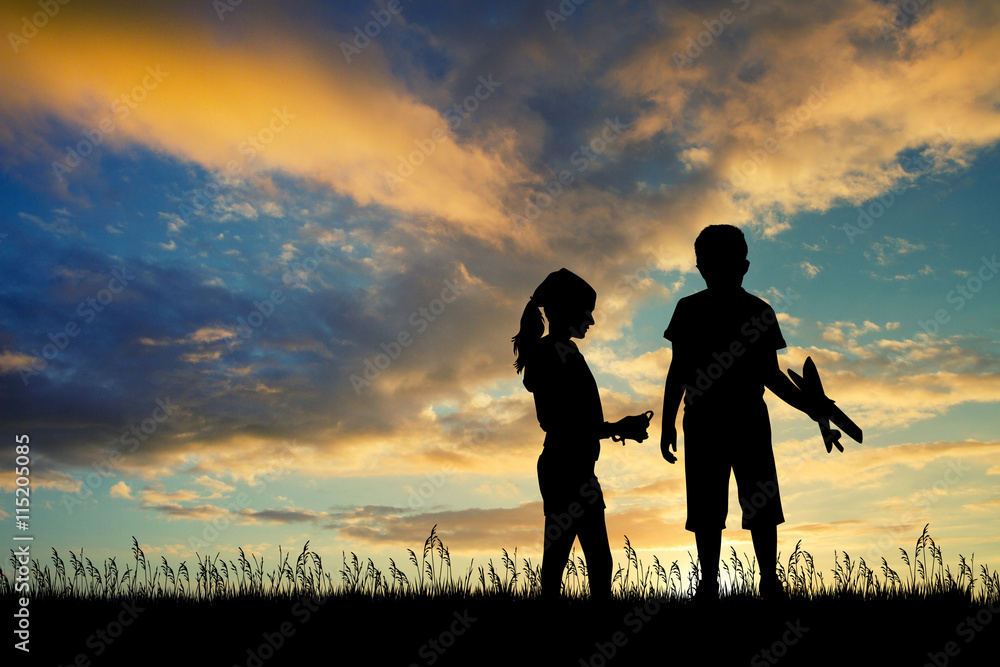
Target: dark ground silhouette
{"x": 506, "y": 631}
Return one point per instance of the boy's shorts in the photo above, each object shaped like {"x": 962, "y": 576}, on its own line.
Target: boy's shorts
{"x": 716, "y": 442}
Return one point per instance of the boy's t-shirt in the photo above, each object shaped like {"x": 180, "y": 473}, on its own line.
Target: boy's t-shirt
{"x": 727, "y": 339}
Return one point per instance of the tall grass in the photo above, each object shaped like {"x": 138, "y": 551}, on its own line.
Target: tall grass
{"x": 431, "y": 575}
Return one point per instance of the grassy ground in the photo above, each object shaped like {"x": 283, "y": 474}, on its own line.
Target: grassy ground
{"x": 239, "y": 613}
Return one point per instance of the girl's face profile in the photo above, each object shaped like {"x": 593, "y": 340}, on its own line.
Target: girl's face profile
{"x": 571, "y": 320}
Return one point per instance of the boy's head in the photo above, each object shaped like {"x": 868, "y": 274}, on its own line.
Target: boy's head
{"x": 721, "y": 255}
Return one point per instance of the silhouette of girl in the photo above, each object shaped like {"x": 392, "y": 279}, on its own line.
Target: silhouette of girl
{"x": 569, "y": 410}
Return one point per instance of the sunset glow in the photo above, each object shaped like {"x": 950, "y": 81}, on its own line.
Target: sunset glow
{"x": 260, "y": 287}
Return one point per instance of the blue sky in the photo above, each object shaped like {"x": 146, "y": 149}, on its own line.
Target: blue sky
{"x": 317, "y": 260}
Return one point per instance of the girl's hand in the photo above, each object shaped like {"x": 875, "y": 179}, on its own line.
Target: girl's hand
{"x": 633, "y": 428}
{"x": 668, "y": 441}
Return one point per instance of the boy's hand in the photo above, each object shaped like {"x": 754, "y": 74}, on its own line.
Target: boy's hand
{"x": 818, "y": 407}
{"x": 668, "y": 440}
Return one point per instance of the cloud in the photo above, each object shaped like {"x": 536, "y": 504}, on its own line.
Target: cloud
{"x": 157, "y": 496}
{"x": 190, "y": 99}
{"x": 893, "y": 399}
{"x": 11, "y": 362}
{"x": 847, "y": 333}
{"x": 883, "y": 252}
{"x": 833, "y": 108}
{"x": 809, "y": 269}
{"x": 695, "y": 158}
{"x": 283, "y": 516}
{"x": 57, "y": 480}
{"x": 990, "y": 505}
{"x": 217, "y": 487}
{"x": 120, "y": 490}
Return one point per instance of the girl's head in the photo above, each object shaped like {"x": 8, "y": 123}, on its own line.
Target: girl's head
{"x": 568, "y": 301}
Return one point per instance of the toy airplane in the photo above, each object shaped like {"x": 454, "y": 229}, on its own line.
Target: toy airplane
{"x": 648, "y": 414}
{"x": 809, "y": 383}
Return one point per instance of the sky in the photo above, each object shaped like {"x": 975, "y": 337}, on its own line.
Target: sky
{"x": 262, "y": 263}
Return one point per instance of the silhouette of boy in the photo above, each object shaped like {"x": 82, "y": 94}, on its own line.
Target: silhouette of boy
{"x": 725, "y": 344}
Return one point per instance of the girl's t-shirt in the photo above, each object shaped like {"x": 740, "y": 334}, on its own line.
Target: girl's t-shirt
{"x": 567, "y": 402}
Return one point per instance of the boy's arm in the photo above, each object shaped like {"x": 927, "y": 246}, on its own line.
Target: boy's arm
{"x": 673, "y": 392}
{"x": 785, "y": 389}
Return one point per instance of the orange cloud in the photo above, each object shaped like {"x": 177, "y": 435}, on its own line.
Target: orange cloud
{"x": 272, "y": 99}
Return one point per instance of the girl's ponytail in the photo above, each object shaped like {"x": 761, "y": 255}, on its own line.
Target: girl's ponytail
{"x": 532, "y": 328}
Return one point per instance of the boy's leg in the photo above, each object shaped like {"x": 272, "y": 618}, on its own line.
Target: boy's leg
{"x": 760, "y": 499}
{"x": 593, "y": 533}
{"x": 765, "y": 545}
{"x": 557, "y": 545}
{"x": 709, "y": 546}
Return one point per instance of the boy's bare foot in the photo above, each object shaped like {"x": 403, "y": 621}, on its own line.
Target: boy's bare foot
{"x": 706, "y": 594}
{"x": 772, "y": 591}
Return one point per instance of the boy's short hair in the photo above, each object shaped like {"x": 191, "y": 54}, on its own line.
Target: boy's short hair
{"x": 720, "y": 244}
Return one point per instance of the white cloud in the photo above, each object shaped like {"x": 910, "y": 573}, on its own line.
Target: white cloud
{"x": 809, "y": 269}
{"x": 120, "y": 490}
